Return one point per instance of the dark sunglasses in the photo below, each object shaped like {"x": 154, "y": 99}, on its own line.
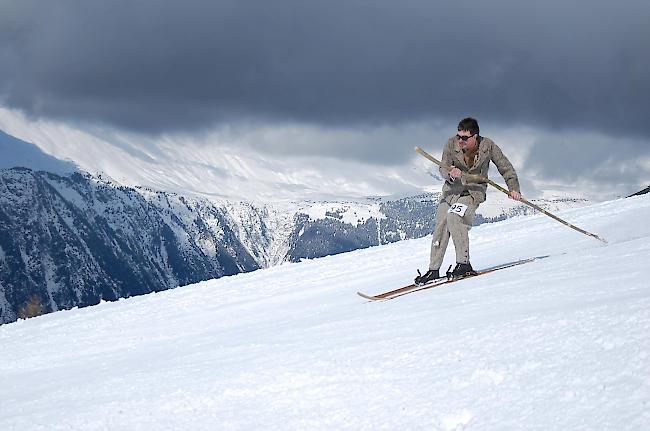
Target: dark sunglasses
{"x": 464, "y": 138}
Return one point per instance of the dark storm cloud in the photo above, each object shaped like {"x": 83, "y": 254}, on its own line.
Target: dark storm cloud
{"x": 156, "y": 66}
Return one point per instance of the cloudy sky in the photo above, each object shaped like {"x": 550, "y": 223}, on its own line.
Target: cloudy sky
{"x": 563, "y": 84}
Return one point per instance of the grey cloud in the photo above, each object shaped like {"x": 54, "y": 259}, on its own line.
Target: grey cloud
{"x": 603, "y": 166}
{"x": 155, "y": 66}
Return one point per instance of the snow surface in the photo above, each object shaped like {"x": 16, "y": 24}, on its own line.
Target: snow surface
{"x": 559, "y": 343}
{"x": 354, "y": 213}
{"x": 497, "y": 203}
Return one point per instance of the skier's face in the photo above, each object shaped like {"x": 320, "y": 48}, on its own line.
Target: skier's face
{"x": 466, "y": 140}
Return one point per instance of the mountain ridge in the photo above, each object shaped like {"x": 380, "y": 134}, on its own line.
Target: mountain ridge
{"x": 78, "y": 239}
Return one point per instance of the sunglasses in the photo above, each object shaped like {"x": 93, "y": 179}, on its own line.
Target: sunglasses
{"x": 464, "y": 138}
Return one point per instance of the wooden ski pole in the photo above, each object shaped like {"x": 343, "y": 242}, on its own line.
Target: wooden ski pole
{"x": 481, "y": 179}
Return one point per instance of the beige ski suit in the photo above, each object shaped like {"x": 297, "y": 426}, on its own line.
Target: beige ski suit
{"x": 470, "y": 194}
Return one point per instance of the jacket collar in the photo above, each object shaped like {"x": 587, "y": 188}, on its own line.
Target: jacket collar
{"x": 459, "y": 152}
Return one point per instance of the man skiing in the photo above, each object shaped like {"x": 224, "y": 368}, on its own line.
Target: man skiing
{"x": 471, "y": 153}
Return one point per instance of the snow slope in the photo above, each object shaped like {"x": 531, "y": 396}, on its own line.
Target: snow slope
{"x": 560, "y": 343}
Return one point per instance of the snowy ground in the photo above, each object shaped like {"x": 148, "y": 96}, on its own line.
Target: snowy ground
{"x": 558, "y": 344}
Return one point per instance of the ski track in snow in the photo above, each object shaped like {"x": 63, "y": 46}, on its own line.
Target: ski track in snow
{"x": 559, "y": 343}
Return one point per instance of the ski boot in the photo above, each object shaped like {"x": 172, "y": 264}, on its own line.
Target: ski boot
{"x": 428, "y": 277}
{"x": 462, "y": 270}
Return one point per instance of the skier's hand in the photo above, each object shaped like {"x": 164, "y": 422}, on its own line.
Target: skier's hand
{"x": 515, "y": 195}
{"x": 455, "y": 173}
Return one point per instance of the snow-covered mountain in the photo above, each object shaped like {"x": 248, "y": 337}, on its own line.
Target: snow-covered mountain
{"x": 75, "y": 240}
{"x": 69, "y": 238}
{"x": 211, "y": 165}
{"x": 229, "y": 164}
{"x": 560, "y": 343}
{"x": 641, "y": 192}
{"x": 15, "y": 152}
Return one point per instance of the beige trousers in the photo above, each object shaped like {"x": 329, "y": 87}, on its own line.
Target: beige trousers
{"x": 450, "y": 224}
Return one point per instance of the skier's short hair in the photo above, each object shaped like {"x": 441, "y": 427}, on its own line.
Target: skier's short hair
{"x": 470, "y": 124}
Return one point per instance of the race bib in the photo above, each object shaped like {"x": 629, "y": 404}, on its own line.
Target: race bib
{"x": 458, "y": 209}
